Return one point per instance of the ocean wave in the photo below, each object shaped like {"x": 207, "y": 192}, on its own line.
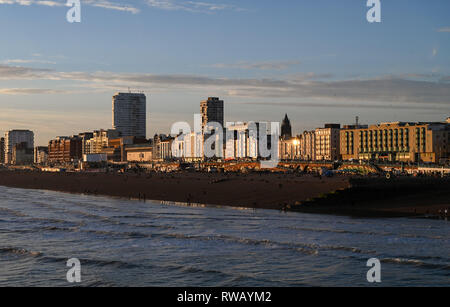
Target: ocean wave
{"x": 12, "y": 212}
{"x": 19, "y": 252}
{"x": 96, "y": 262}
{"x": 416, "y": 262}
{"x": 371, "y": 233}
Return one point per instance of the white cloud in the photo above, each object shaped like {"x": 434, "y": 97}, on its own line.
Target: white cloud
{"x": 95, "y": 3}
{"x": 112, "y": 6}
{"x": 280, "y": 65}
{"x": 445, "y": 29}
{"x": 434, "y": 52}
{"x": 30, "y": 91}
{"x": 26, "y": 61}
{"x": 191, "y": 6}
{"x": 30, "y": 2}
{"x": 409, "y": 88}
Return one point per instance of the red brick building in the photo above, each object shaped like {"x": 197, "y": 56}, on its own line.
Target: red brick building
{"x": 65, "y": 149}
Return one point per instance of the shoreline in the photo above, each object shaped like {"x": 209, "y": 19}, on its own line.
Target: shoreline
{"x": 340, "y": 195}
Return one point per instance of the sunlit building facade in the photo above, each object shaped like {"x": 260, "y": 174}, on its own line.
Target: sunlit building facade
{"x": 397, "y": 141}
{"x": 327, "y": 142}
{"x": 15, "y": 137}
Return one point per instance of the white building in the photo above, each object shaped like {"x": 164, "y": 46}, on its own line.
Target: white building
{"x": 40, "y": 155}
{"x": 308, "y": 145}
{"x": 129, "y": 114}
{"x": 188, "y": 146}
{"x": 328, "y": 142}
{"x": 242, "y": 141}
{"x": 14, "y": 137}
{"x": 100, "y": 140}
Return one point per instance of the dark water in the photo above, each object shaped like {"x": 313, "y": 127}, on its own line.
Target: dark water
{"x": 131, "y": 243}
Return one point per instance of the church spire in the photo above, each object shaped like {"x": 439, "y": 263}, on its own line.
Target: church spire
{"x": 286, "y": 129}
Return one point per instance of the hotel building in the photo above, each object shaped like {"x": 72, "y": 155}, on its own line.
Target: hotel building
{"x": 397, "y": 141}
{"x": 327, "y": 142}
{"x": 308, "y": 145}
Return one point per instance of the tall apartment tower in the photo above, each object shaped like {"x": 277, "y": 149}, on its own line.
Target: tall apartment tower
{"x": 130, "y": 114}
{"x": 15, "y": 137}
{"x": 212, "y": 111}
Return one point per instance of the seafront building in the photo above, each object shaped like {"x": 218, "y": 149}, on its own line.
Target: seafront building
{"x": 327, "y": 142}
{"x": 22, "y": 154}
{"x": 321, "y": 144}
{"x": 40, "y": 155}
{"x": 130, "y": 114}
{"x": 212, "y": 110}
{"x": 162, "y": 147}
{"x": 2, "y": 150}
{"x": 65, "y": 149}
{"x": 188, "y": 147}
{"x": 99, "y": 141}
{"x": 140, "y": 153}
{"x": 290, "y": 149}
{"x": 243, "y": 140}
{"x": 14, "y": 137}
{"x": 85, "y": 136}
{"x": 397, "y": 141}
{"x": 308, "y": 145}
{"x": 115, "y": 151}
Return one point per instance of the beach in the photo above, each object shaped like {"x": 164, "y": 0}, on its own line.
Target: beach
{"x": 291, "y": 192}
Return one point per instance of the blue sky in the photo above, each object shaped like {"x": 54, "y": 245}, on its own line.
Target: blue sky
{"x": 319, "y": 61}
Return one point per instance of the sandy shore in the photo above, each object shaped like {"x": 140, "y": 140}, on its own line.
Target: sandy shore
{"x": 296, "y": 192}
{"x": 268, "y": 191}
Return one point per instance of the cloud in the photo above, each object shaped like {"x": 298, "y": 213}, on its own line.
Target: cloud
{"x": 8, "y": 72}
{"x": 191, "y": 6}
{"x": 26, "y": 61}
{"x": 169, "y": 5}
{"x": 434, "y": 52}
{"x": 445, "y": 29}
{"x": 112, "y": 6}
{"x": 31, "y": 2}
{"x": 387, "y": 89}
{"x": 280, "y": 65}
{"x": 344, "y": 105}
{"x": 30, "y": 91}
{"x": 95, "y": 3}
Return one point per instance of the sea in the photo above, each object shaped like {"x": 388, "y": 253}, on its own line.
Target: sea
{"x": 121, "y": 242}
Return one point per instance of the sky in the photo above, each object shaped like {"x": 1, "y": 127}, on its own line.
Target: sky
{"x": 318, "y": 61}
